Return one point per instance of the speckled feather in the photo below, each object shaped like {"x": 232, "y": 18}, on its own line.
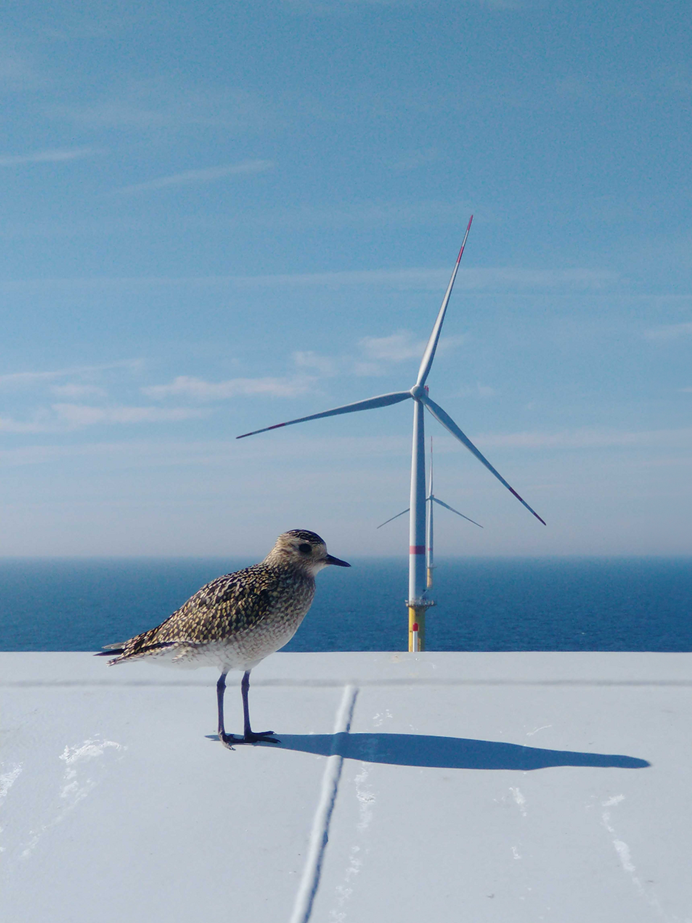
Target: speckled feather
{"x": 253, "y": 609}
{"x": 238, "y": 619}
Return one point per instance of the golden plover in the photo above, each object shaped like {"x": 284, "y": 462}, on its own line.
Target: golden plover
{"x": 235, "y": 621}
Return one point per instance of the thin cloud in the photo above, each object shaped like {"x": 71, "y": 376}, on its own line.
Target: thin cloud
{"x": 434, "y": 279}
{"x": 374, "y": 355}
{"x": 68, "y": 417}
{"x": 77, "y": 416}
{"x": 153, "y": 105}
{"x": 29, "y": 379}
{"x": 367, "y": 214}
{"x": 397, "y": 347}
{"x": 59, "y": 155}
{"x": 414, "y": 279}
{"x": 389, "y": 278}
{"x": 325, "y": 365}
{"x": 538, "y": 278}
{"x": 205, "y": 175}
{"x": 200, "y": 390}
{"x": 10, "y": 425}
{"x": 588, "y": 438}
{"x": 479, "y": 390}
{"x": 217, "y": 453}
{"x": 394, "y": 348}
{"x": 75, "y": 391}
{"x": 669, "y": 332}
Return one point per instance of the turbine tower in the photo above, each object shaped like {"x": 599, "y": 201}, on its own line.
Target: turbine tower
{"x": 417, "y": 602}
{"x": 429, "y": 537}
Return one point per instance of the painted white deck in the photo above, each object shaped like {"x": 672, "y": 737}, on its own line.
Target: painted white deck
{"x": 460, "y": 786}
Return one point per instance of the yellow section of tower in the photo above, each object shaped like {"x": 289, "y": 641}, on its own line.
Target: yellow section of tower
{"x": 416, "y": 614}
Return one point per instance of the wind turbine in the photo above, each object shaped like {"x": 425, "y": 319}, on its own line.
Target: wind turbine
{"x": 417, "y": 603}
{"x": 429, "y": 539}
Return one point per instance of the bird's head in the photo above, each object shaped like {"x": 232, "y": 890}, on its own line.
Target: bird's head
{"x": 304, "y": 549}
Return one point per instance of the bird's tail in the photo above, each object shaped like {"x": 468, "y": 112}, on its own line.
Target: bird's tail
{"x": 135, "y": 648}
{"x": 113, "y": 650}
{"x": 116, "y": 648}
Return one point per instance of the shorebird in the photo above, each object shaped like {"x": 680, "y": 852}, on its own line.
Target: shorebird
{"x": 237, "y": 620}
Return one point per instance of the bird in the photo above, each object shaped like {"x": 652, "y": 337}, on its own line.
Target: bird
{"x": 237, "y": 620}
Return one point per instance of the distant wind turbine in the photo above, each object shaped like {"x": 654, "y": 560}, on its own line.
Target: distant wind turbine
{"x": 417, "y": 603}
{"x": 429, "y": 536}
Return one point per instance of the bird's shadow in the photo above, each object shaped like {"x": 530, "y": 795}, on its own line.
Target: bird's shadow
{"x": 447, "y": 752}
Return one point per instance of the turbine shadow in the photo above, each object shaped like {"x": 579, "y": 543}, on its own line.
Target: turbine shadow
{"x": 448, "y": 752}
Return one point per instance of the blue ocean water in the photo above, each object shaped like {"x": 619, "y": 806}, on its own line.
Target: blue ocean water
{"x": 625, "y": 604}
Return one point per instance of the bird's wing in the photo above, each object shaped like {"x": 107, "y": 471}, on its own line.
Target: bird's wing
{"x": 228, "y": 604}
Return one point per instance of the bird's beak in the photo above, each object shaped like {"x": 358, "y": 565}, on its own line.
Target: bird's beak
{"x": 330, "y": 559}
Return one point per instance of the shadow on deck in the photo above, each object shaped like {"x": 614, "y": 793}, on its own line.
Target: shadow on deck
{"x": 448, "y": 752}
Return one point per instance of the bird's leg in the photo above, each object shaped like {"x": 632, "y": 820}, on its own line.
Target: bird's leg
{"x": 226, "y": 739}
{"x": 220, "y": 689}
{"x": 250, "y": 736}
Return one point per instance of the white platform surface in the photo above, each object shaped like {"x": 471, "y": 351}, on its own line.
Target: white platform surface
{"x": 468, "y": 787}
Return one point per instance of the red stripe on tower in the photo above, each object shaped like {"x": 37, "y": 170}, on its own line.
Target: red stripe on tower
{"x": 416, "y": 549}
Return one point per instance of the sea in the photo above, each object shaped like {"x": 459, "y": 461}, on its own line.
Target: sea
{"x": 481, "y": 604}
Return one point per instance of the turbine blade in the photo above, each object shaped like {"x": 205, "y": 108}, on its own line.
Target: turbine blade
{"x": 450, "y": 425}
{"x": 429, "y": 353}
{"x": 448, "y": 507}
{"x": 382, "y": 401}
{"x": 394, "y": 517}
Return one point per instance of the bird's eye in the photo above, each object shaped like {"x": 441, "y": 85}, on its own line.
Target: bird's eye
{"x": 305, "y": 548}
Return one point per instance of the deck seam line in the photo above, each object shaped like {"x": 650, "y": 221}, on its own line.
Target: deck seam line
{"x": 319, "y": 835}
{"x": 333, "y": 684}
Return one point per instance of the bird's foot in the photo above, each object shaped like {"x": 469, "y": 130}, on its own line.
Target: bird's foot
{"x": 254, "y": 737}
{"x": 228, "y": 740}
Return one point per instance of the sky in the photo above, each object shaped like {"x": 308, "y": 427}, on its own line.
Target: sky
{"x": 219, "y": 216}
